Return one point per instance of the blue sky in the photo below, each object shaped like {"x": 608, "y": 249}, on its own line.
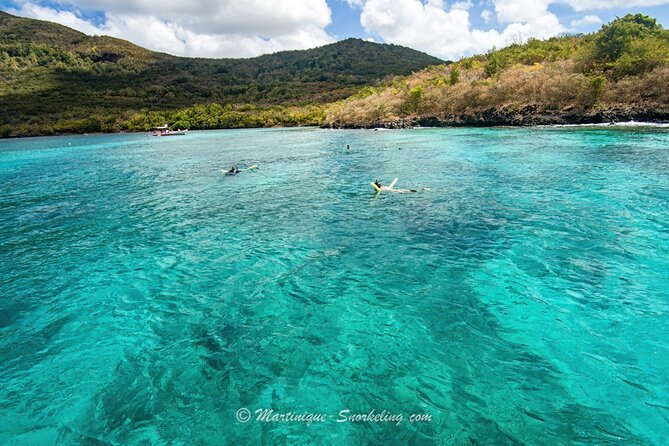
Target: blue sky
{"x": 235, "y": 28}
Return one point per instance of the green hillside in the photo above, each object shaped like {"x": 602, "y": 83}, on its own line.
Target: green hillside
{"x": 55, "y": 79}
{"x": 618, "y": 73}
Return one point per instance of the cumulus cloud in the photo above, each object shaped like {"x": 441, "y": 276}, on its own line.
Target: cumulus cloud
{"x": 486, "y": 15}
{"x": 66, "y": 18}
{"x": 448, "y": 33}
{"x": 434, "y": 27}
{"x": 586, "y": 21}
{"x": 466, "y": 5}
{"x": 210, "y": 28}
{"x": 236, "y": 28}
{"x": 591, "y": 5}
{"x": 515, "y": 11}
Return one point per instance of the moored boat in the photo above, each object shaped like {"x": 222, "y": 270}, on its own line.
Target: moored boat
{"x": 165, "y": 131}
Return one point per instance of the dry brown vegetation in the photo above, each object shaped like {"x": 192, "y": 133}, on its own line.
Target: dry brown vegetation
{"x": 560, "y": 80}
{"x": 552, "y": 87}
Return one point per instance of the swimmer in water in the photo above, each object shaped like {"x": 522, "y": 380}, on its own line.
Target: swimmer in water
{"x": 381, "y": 188}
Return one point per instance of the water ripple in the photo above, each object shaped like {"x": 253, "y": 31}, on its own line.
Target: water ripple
{"x": 520, "y": 298}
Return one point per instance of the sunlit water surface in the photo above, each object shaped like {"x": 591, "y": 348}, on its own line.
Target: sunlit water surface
{"x": 522, "y": 298}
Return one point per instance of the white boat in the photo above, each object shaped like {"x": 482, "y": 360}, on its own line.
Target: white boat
{"x": 165, "y": 131}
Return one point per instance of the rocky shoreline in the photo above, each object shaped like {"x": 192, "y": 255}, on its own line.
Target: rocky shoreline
{"x": 528, "y": 116}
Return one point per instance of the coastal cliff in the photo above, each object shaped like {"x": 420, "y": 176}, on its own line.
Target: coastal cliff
{"x": 527, "y": 116}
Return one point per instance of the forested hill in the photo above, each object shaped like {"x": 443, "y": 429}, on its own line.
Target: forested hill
{"x": 619, "y": 73}
{"x": 54, "y": 79}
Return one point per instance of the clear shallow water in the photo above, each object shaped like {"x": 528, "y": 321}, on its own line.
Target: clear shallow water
{"x": 522, "y": 299}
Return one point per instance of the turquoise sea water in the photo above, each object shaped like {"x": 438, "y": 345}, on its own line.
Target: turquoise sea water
{"x": 522, "y": 299}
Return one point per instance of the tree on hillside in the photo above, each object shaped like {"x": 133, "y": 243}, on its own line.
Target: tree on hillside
{"x": 631, "y": 45}
{"x": 616, "y": 38}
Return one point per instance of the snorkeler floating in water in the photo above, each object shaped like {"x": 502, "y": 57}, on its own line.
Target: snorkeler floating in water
{"x": 234, "y": 170}
{"x": 381, "y": 188}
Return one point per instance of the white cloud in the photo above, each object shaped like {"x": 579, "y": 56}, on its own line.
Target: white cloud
{"x": 586, "y": 21}
{"x": 241, "y": 28}
{"x": 216, "y": 16}
{"x": 430, "y": 26}
{"x": 210, "y": 28}
{"x": 514, "y": 11}
{"x": 466, "y": 5}
{"x": 591, "y": 5}
{"x": 449, "y": 34}
{"x": 66, "y": 18}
